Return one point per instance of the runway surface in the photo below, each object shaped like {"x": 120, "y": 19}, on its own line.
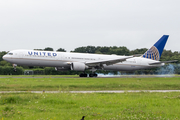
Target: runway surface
{"x": 117, "y": 91}
{"x": 99, "y": 76}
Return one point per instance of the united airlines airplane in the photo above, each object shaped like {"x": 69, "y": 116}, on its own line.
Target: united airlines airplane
{"x": 82, "y": 61}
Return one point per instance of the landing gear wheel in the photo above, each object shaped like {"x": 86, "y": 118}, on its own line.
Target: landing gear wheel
{"x": 93, "y": 75}
{"x": 14, "y": 66}
{"x": 83, "y": 75}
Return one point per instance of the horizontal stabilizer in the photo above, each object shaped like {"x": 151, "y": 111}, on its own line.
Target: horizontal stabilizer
{"x": 159, "y": 62}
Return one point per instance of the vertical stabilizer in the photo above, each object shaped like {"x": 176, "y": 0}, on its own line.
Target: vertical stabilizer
{"x": 156, "y": 50}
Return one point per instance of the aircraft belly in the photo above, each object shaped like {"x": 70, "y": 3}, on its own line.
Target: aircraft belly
{"x": 121, "y": 67}
{"x": 32, "y": 62}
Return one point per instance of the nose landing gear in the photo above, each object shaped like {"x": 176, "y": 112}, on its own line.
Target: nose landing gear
{"x": 14, "y": 66}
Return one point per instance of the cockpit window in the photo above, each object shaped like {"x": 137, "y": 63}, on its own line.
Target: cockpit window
{"x": 10, "y": 53}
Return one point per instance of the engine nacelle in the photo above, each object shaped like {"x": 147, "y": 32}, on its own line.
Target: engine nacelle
{"x": 77, "y": 66}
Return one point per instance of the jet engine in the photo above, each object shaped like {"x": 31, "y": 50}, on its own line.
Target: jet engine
{"x": 77, "y": 66}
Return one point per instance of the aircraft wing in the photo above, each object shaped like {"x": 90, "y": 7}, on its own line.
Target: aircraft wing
{"x": 159, "y": 62}
{"x": 137, "y": 55}
{"x": 107, "y": 62}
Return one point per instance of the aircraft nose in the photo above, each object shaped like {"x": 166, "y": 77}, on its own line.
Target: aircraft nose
{"x": 4, "y": 57}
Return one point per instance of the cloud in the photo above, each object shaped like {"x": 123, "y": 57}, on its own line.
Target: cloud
{"x": 70, "y": 24}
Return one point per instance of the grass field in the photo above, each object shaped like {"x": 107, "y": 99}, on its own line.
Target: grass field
{"x": 95, "y": 106}
{"x": 68, "y": 84}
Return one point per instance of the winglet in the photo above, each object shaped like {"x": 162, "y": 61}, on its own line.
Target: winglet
{"x": 156, "y": 50}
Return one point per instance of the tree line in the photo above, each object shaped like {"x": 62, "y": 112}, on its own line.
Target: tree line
{"x": 122, "y": 50}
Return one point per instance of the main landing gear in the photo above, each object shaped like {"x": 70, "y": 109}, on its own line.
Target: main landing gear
{"x": 90, "y": 75}
{"x": 93, "y": 75}
{"x": 83, "y": 75}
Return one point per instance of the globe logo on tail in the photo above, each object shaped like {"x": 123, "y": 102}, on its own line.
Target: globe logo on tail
{"x": 152, "y": 53}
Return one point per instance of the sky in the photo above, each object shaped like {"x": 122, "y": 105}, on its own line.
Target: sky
{"x": 68, "y": 24}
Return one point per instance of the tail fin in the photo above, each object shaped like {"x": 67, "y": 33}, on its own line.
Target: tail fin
{"x": 156, "y": 50}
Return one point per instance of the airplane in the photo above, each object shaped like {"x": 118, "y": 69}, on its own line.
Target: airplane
{"x": 81, "y": 61}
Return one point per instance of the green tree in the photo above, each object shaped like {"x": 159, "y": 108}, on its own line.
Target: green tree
{"x": 9, "y": 70}
{"x": 88, "y": 49}
{"x": 39, "y": 49}
{"x": 61, "y": 50}
{"x": 138, "y": 51}
{"x": 5, "y": 63}
{"x": 120, "y": 51}
{"x": 2, "y": 54}
{"x": 104, "y": 50}
{"x": 48, "y": 49}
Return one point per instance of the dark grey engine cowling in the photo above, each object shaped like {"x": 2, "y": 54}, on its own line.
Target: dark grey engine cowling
{"x": 78, "y": 66}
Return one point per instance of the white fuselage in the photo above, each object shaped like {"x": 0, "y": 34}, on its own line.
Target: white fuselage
{"x": 62, "y": 60}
